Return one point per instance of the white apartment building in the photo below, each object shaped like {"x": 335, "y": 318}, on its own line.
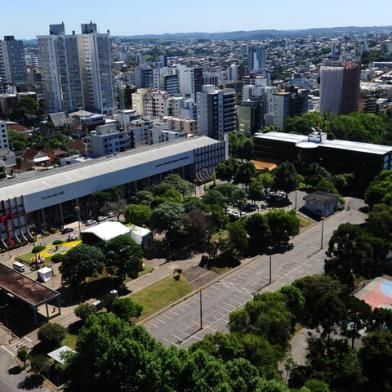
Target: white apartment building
{"x": 150, "y": 103}
{"x": 190, "y": 80}
{"x": 96, "y": 68}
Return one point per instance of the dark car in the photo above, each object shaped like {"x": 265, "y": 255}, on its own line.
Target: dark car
{"x": 67, "y": 230}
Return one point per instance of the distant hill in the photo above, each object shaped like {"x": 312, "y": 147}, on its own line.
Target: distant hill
{"x": 259, "y": 34}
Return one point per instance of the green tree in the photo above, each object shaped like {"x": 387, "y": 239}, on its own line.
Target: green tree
{"x": 376, "y": 360}
{"x": 138, "y": 214}
{"x": 214, "y": 198}
{"x": 245, "y": 173}
{"x": 316, "y": 386}
{"x": 238, "y": 238}
{"x": 84, "y": 311}
{"x": 316, "y": 173}
{"x": 238, "y": 199}
{"x": 143, "y": 197}
{"x": 380, "y": 221}
{"x": 380, "y": 189}
{"x": 125, "y": 308}
{"x": 326, "y": 185}
{"x": 179, "y": 184}
{"x": 51, "y": 335}
{"x": 123, "y": 253}
{"x": 313, "y": 289}
{"x": 18, "y": 140}
{"x": 259, "y": 231}
{"x": 286, "y": 178}
{"x": 23, "y": 354}
{"x": 282, "y": 225}
{"x": 226, "y": 170}
{"x": 79, "y": 263}
{"x": 349, "y": 254}
{"x": 256, "y": 189}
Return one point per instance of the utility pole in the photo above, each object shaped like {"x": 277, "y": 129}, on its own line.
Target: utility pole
{"x": 322, "y": 232}
{"x": 77, "y": 208}
{"x": 201, "y": 309}
{"x": 270, "y": 264}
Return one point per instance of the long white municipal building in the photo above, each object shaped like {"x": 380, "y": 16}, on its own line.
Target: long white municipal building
{"x": 39, "y": 201}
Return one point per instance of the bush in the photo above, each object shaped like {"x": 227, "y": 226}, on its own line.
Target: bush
{"x": 57, "y": 258}
{"x": 51, "y": 335}
{"x": 125, "y": 308}
{"x": 23, "y": 353}
{"x": 40, "y": 363}
{"x": 84, "y": 311}
{"x": 177, "y": 276}
{"x": 38, "y": 248}
{"x": 57, "y": 242}
{"x": 108, "y": 299}
{"x": 45, "y": 233}
{"x": 52, "y": 230}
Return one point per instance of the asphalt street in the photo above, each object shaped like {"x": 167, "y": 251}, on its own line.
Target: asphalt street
{"x": 180, "y": 325}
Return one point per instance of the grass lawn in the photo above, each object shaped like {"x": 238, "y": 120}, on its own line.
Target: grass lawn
{"x": 70, "y": 340}
{"x": 161, "y": 294}
{"x": 220, "y": 270}
{"x": 304, "y": 222}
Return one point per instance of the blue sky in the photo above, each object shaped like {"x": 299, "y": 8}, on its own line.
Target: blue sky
{"x": 28, "y": 18}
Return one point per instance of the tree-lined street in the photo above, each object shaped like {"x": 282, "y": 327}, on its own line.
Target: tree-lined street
{"x": 180, "y": 324}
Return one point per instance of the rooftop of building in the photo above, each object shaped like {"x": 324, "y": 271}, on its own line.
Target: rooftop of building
{"x": 24, "y": 288}
{"x": 303, "y": 141}
{"x": 282, "y": 136}
{"x": 33, "y": 182}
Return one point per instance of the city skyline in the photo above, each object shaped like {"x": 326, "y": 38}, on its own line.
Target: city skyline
{"x": 173, "y": 17}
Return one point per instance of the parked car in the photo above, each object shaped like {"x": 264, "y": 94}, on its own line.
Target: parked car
{"x": 90, "y": 222}
{"x": 250, "y": 208}
{"x": 67, "y": 230}
{"x": 102, "y": 218}
{"x": 72, "y": 237}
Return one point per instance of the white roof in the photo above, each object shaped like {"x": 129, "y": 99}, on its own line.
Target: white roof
{"x": 97, "y": 167}
{"x": 141, "y": 231}
{"x": 108, "y": 230}
{"x": 57, "y": 355}
{"x": 357, "y": 146}
{"x": 41, "y": 159}
{"x": 282, "y": 136}
{"x": 45, "y": 270}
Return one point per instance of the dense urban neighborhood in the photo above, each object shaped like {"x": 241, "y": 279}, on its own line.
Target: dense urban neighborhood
{"x": 196, "y": 212}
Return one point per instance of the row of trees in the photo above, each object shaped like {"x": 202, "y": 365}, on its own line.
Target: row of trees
{"x": 361, "y": 127}
{"x": 113, "y": 355}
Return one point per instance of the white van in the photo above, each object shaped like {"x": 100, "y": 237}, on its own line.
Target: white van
{"x": 18, "y": 266}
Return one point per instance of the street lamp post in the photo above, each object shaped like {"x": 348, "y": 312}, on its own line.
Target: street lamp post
{"x": 270, "y": 264}
{"x": 322, "y": 232}
{"x": 201, "y": 309}
{"x": 77, "y": 208}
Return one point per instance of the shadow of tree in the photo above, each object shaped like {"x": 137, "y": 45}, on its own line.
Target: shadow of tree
{"x": 31, "y": 382}
{"x": 15, "y": 370}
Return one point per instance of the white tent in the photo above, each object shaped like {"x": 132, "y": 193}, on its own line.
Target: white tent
{"x": 45, "y": 274}
{"x": 106, "y": 231}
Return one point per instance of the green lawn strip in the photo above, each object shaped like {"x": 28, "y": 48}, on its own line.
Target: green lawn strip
{"x": 220, "y": 270}
{"x": 161, "y": 294}
{"x": 304, "y": 222}
{"x": 70, "y": 340}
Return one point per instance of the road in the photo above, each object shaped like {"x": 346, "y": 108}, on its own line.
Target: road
{"x": 180, "y": 325}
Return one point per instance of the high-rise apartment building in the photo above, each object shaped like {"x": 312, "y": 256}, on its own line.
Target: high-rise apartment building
{"x": 340, "y": 88}
{"x": 12, "y": 61}
{"x": 256, "y": 59}
{"x": 58, "y": 59}
{"x": 76, "y": 69}
{"x": 215, "y": 112}
{"x": 288, "y": 104}
{"x": 190, "y": 80}
{"x": 95, "y": 59}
